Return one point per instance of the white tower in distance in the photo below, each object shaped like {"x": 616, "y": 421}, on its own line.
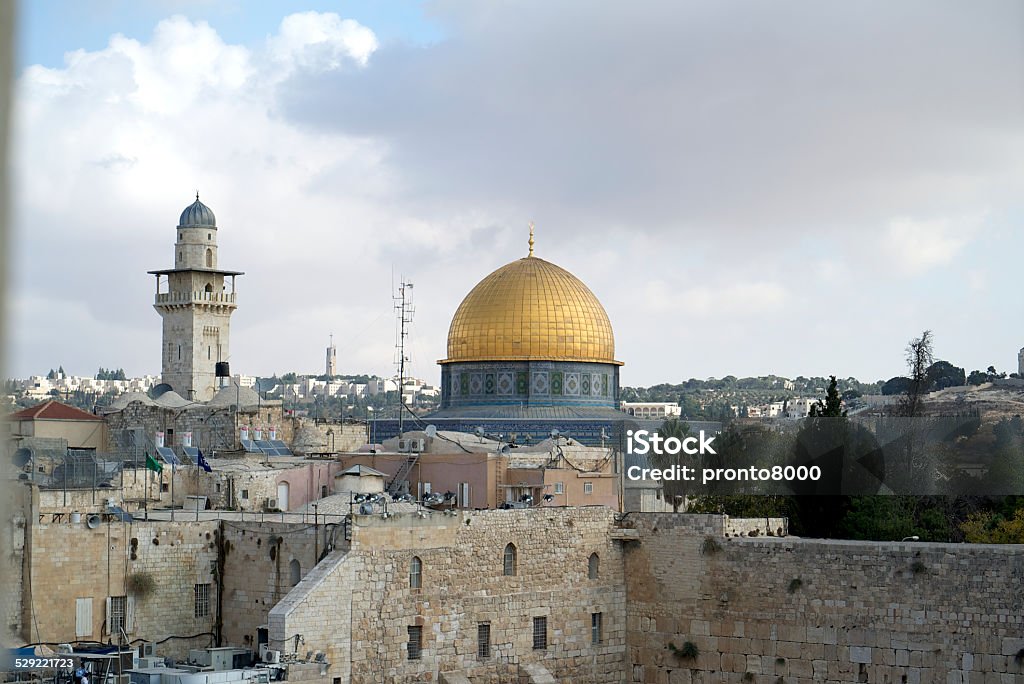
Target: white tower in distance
{"x": 332, "y": 359}
{"x": 196, "y": 307}
{"x": 1020, "y": 363}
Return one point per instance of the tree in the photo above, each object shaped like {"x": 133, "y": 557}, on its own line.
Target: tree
{"x": 52, "y": 375}
{"x": 897, "y": 385}
{"x": 943, "y": 374}
{"x": 919, "y": 358}
{"x": 832, "y": 407}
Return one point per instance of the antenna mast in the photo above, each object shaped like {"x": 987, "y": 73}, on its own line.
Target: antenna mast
{"x": 405, "y": 310}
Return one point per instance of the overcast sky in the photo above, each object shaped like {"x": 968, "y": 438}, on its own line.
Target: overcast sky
{"x": 795, "y": 188}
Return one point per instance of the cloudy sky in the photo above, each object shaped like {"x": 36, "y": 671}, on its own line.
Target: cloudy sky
{"x": 795, "y": 188}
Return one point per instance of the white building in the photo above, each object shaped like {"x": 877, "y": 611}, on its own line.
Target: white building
{"x": 652, "y": 410}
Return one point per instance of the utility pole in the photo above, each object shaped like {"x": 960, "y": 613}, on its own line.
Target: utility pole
{"x": 405, "y": 310}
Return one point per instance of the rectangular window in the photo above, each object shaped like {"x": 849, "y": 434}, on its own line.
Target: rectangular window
{"x": 415, "y": 642}
{"x": 588, "y": 487}
{"x": 483, "y": 640}
{"x": 323, "y": 491}
{"x": 245, "y": 493}
{"x": 83, "y": 617}
{"x": 464, "y": 500}
{"x": 559, "y": 488}
{"x": 117, "y": 618}
{"x": 540, "y": 633}
{"x": 202, "y": 605}
{"x": 595, "y": 628}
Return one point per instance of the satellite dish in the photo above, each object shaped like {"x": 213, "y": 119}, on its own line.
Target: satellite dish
{"x": 160, "y": 390}
{"x": 431, "y": 431}
{"x": 554, "y": 433}
{"x": 366, "y": 509}
{"x": 479, "y": 432}
{"x": 21, "y": 457}
{"x": 92, "y": 522}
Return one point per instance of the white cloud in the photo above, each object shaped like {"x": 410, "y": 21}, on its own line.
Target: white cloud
{"x": 913, "y": 247}
{"x": 311, "y": 40}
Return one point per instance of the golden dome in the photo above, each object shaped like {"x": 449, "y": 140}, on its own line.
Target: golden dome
{"x": 531, "y": 309}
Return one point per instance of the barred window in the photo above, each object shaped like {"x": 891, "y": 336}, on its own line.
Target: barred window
{"x": 510, "y": 560}
{"x": 416, "y": 573}
{"x": 202, "y": 605}
{"x": 540, "y": 633}
{"x": 483, "y": 640}
{"x": 588, "y": 487}
{"x": 118, "y": 614}
{"x": 593, "y": 566}
{"x": 595, "y": 628}
{"x": 415, "y": 642}
{"x": 559, "y": 488}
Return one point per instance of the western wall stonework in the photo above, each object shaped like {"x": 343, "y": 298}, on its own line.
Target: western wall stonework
{"x": 463, "y": 585}
{"x": 796, "y": 611}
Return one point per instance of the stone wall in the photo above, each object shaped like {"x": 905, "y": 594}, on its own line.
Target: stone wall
{"x": 257, "y": 570}
{"x": 214, "y": 428}
{"x": 770, "y": 609}
{"x": 463, "y": 585}
{"x": 69, "y": 561}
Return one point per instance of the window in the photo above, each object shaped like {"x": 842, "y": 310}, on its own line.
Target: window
{"x": 295, "y": 571}
{"x": 323, "y": 491}
{"x": 218, "y": 487}
{"x": 415, "y": 573}
{"x": 83, "y": 617}
{"x": 559, "y": 488}
{"x": 164, "y": 487}
{"x": 415, "y": 642}
{"x": 540, "y": 633}
{"x": 202, "y": 605}
{"x": 179, "y": 352}
{"x": 209, "y": 353}
{"x": 510, "y": 560}
{"x": 209, "y": 258}
{"x": 245, "y": 493}
{"x": 588, "y": 487}
{"x": 209, "y": 236}
{"x": 595, "y": 628}
{"x": 593, "y": 566}
{"x": 483, "y": 640}
{"x": 117, "y": 614}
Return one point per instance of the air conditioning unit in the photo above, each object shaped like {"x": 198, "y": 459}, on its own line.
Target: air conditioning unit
{"x": 403, "y": 445}
{"x": 271, "y": 504}
{"x": 407, "y": 445}
{"x": 147, "y": 649}
{"x": 272, "y": 657}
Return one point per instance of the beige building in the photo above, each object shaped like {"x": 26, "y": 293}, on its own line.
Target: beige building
{"x": 483, "y": 473}
{"x": 54, "y": 420}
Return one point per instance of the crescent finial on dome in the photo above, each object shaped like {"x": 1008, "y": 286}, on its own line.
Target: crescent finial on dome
{"x": 531, "y": 238}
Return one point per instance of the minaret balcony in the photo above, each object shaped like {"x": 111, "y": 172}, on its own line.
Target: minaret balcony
{"x": 195, "y": 297}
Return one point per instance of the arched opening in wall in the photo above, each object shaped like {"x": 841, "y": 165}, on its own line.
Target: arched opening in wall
{"x": 415, "y": 573}
{"x": 208, "y": 288}
{"x": 295, "y": 571}
{"x": 593, "y": 566}
{"x": 209, "y": 258}
{"x": 510, "y": 560}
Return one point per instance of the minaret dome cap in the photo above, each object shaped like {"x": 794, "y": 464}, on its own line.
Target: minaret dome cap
{"x": 197, "y": 215}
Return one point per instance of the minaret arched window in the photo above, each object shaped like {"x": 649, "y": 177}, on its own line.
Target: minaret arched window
{"x": 209, "y": 287}
{"x": 593, "y": 566}
{"x": 295, "y": 570}
{"x": 209, "y": 258}
{"x": 510, "y": 560}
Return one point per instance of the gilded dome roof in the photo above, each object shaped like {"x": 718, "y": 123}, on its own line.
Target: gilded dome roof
{"x": 531, "y": 309}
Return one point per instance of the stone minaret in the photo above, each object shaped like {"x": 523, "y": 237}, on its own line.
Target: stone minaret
{"x": 196, "y": 307}
{"x": 1020, "y": 363}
